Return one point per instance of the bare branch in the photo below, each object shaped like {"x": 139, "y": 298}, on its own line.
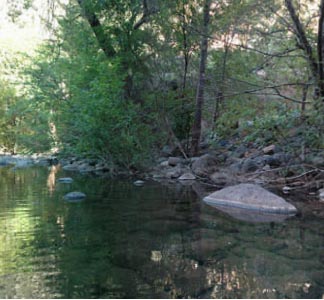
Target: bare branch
{"x": 147, "y": 12}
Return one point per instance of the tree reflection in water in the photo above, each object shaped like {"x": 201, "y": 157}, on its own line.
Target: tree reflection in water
{"x": 157, "y": 241}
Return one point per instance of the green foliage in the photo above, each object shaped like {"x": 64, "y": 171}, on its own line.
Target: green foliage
{"x": 77, "y": 89}
{"x": 271, "y": 127}
{"x": 7, "y": 117}
{"x": 75, "y": 96}
{"x": 98, "y": 122}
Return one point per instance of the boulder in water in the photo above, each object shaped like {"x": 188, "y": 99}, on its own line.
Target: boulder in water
{"x": 65, "y": 180}
{"x": 250, "y": 197}
{"x": 74, "y": 197}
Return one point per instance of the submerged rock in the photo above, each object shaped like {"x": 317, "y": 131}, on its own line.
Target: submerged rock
{"x": 139, "y": 182}
{"x": 74, "y": 196}
{"x": 250, "y": 197}
{"x": 252, "y": 216}
{"x": 71, "y": 167}
{"x": 65, "y": 180}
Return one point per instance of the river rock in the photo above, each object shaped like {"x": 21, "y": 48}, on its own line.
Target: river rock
{"x": 65, "y": 180}
{"x": 139, "y": 182}
{"x": 250, "y": 197}
{"x": 74, "y": 196}
{"x": 269, "y": 149}
{"x": 174, "y": 173}
{"x": 221, "y": 178}
{"x": 251, "y": 216}
{"x": 240, "y": 151}
{"x": 164, "y": 164}
{"x": 187, "y": 176}
{"x": 71, "y": 167}
{"x": 283, "y": 158}
{"x": 250, "y": 165}
{"x": 173, "y": 161}
{"x": 205, "y": 165}
{"x": 321, "y": 195}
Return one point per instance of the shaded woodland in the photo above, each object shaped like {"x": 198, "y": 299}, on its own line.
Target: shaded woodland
{"x": 121, "y": 80}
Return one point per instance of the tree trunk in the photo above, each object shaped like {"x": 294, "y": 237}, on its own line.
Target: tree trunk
{"x": 320, "y": 51}
{"x": 316, "y": 65}
{"x": 102, "y": 38}
{"x": 196, "y": 128}
{"x": 302, "y": 40}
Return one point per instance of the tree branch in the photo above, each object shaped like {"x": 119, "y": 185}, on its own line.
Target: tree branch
{"x": 146, "y": 15}
{"x": 94, "y": 22}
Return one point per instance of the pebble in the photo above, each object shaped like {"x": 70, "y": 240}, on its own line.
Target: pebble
{"x": 286, "y": 189}
{"x": 65, "y": 180}
{"x": 74, "y": 196}
{"x": 139, "y": 182}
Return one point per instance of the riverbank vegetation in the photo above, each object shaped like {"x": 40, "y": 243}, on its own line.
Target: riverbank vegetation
{"x": 120, "y": 80}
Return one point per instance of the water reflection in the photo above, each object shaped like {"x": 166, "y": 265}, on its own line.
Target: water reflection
{"x": 150, "y": 242}
{"x": 51, "y": 179}
{"x": 250, "y": 215}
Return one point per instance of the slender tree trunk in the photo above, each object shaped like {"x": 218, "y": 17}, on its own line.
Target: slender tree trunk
{"x": 302, "y": 40}
{"x": 196, "y": 128}
{"x": 186, "y": 48}
{"x": 320, "y": 51}
{"x": 316, "y": 65}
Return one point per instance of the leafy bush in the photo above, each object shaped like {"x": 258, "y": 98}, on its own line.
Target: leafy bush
{"x": 7, "y": 117}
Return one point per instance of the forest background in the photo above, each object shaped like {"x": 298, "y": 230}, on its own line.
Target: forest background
{"x": 119, "y": 80}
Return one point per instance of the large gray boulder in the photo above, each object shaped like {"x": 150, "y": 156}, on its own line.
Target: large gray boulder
{"x": 250, "y": 197}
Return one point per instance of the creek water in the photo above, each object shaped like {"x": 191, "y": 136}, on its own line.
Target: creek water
{"x": 155, "y": 241}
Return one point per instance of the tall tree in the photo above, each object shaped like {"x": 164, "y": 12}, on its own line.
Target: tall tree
{"x": 315, "y": 61}
{"x": 196, "y": 128}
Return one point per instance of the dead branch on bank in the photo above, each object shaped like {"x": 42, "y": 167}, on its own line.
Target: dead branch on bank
{"x": 311, "y": 177}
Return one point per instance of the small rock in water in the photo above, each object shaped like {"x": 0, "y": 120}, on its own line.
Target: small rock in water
{"x": 74, "y": 196}
{"x": 187, "y": 176}
{"x": 138, "y": 182}
{"x": 65, "y": 180}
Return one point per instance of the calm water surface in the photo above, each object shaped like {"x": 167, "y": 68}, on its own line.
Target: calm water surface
{"x": 156, "y": 241}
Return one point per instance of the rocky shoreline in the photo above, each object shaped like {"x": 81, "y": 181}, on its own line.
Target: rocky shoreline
{"x": 219, "y": 167}
{"x": 269, "y": 167}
